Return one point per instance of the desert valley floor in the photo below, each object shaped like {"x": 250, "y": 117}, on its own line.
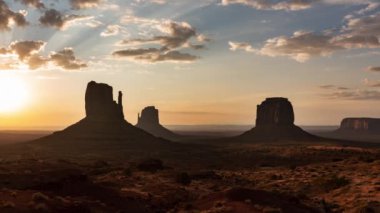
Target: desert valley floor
{"x": 286, "y": 177}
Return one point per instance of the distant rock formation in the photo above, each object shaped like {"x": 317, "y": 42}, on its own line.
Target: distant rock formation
{"x": 363, "y": 130}
{"x": 275, "y": 122}
{"x": 360, "y": 125}
{"x": 149, "y": 116}
{"x": 104, "y": 123}
{"x": 150, "y": 122}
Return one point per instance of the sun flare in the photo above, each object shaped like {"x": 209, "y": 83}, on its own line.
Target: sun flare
{"x": 13, "y": 94}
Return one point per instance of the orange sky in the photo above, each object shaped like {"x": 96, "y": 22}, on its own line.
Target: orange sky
{"x": 199, "y": 62}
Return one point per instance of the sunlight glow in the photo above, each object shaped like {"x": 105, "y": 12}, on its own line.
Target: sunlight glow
{"x": 13, "y": 94}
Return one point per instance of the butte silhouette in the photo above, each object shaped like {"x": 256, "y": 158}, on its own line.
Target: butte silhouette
{"x": 149, "y": 121}
{"x": 275, "y": 122}
{"x": 359, "y": 126}
{"x": 104, "y": 122}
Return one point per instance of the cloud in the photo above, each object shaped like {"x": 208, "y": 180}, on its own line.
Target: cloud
{"x": 136, "y": 52}
{"x": 301, "y": 46}
{"x": 94, "y": 23}
{"x": 351, "y": 2}
{"x": 375, "y": 84}
{"x": 374, "y": 69}
{"x": 333, "y": 87}
{"x": 361, "y": 32}
{"x": 371, "y": 83}
{"x": 66, "y": 59}
{"x": 36, "y": 61}
{"x": 109, "y": 6}
{"x": 153, "y": 55}
{"x": 273, "y": 5}
{"x": 234, "y": 46}
{"x": 173, "y": 36}
{"x": 176, "y": 56}
{"x": 24, "y": 49}
{"x": 7, "y": 66}
{"x": 111, "y": 30}
{"x": 34, "y": 3}
{"x": 178, "y": 34}
{"x": 54, "y": 18}
{"x": 370, "y": 7}
{"x": 355, "y": 95}
{"x": 151, "y": 1}
{"x": 329, "y": 86}
{"x": 344, "y": 93}
{"x": 4, "y": 51}
{"x": 7, "y": 17}
{"x": 295, "y": 5}
{"x": 357, "y": 33}
{"x": 28, "y": 52}
{"x": 83, "y": 4}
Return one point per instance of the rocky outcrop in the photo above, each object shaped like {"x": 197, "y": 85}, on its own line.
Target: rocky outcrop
{"x": 150, "y": 122}
{"x": 104, "y": 123}
{"x": 275, "y": 112}
{"x": 149, "y": 116}
{"x": 364, "y": 130}
{"x": 100, "y": 104}
{"x": 275, "y": 122}
{"x": 360, "y": 125}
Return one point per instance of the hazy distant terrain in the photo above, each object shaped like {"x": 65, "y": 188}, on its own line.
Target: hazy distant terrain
{"x": 217, "y": 131}
{"x": 193, "y": 131}
{"x": 15, "y": 136}
{"x": 199, "y": 131}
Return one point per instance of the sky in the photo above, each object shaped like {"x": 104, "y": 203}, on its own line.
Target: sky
{"x": 199, "y": 61}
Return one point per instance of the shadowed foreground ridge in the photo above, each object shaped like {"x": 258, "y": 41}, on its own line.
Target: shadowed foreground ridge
{"x": 149, "y": 121}
{"x": 104, "y": 120}
{"x": 275, "y": 122}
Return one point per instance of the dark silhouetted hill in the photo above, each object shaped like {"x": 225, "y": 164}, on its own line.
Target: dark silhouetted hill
{"x": 104, "y": 125}
{"x": 275, "y": 122}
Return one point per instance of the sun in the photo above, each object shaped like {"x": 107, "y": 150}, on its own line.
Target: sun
{"x": 13, "y": 93}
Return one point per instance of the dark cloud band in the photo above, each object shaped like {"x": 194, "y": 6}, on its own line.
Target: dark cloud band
{"x": 28, "y": 53}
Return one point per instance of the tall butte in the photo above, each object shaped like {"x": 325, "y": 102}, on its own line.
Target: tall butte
{"x": 100, "y": 105}
{"x": 275, "y": 122}
{"x": 149, "y": 121}
{"x": 104, "y": 121}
